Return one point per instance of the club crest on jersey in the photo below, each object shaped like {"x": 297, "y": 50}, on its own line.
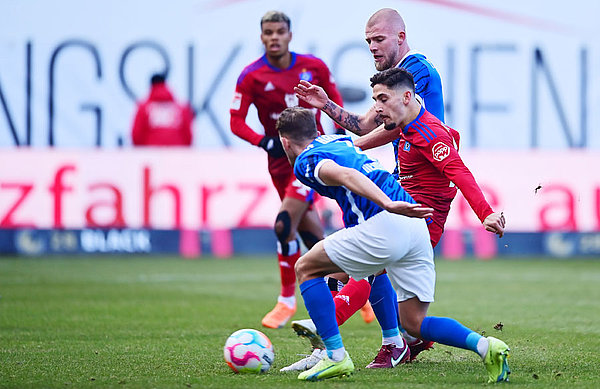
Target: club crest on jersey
{"x": 306, "y": 75}
{"x": 406, "y": 146}
{"x": 440, "y": 151}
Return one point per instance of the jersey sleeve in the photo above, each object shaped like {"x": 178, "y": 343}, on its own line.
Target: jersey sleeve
{"x": 428, "y": 84}
{"x": 242, "y": 99}
{"x": 306, "y": 168}
{"x": 444, "y": 156}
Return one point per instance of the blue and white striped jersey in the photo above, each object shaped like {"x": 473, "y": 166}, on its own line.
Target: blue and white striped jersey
{"x": 341, "y": 150}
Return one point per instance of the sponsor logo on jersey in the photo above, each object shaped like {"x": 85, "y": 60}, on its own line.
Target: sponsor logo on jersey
{"x": 440, "y": 151}
{"x": 291, "y": 100}
{"x": 306, "y": 75}
{"x": 400, "y": 178}
{"x": 406, "y": 146}
{"x": 269, "y": 86}
{"x": 237, "y": 101}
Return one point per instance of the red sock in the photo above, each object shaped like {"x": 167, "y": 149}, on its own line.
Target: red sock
{"x": 288, "y": 275}
{"x": 350, "y": 299}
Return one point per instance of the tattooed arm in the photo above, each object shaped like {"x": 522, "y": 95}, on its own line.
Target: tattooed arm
{"x": 316, "y": 96}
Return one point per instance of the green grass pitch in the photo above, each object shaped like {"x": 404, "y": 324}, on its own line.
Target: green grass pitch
{"x": 162, "y": 322}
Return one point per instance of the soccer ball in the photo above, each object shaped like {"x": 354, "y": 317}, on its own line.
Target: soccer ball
{"x": 248, "y": 351}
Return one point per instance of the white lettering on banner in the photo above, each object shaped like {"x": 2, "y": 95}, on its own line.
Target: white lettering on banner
{"x": 182, "y": 188}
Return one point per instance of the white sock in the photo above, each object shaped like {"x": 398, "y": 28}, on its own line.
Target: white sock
{"x": 409, "y": 338}
{"x": 397, "y": 340}
{"x": 337, "y": 355}
{"x": 482, "y": 347}
{"x": 289, "y": 301}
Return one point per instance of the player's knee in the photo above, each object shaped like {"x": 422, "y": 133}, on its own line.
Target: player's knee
{"x": 309, "y": 238}
{"x": 412, "y": 325}
{"x": 301, "y": 268}
{"x": 283, "y": 226}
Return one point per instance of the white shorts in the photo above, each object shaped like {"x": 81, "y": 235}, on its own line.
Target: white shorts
{"x": 399, "y": 244}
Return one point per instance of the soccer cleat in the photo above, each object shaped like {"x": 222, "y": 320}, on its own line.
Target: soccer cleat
{"x": 307, "y": 329}
{"x": 278, "y": 316}
{"x": 417, "y": 346}
{"x": 495, "y": 360}
{"x": 389, "y": 356}
{"x": 308, "y": 362}
{"x": 326, "y": 368}
{"x": 366, "y": 312}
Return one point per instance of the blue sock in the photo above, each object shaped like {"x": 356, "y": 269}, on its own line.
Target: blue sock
{"x": 320, "y": 307}
{"x": 384, "y": 302}
{"x": 449, "y": 332}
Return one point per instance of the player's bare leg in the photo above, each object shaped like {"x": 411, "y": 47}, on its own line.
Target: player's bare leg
{"x": 292, "y": 213}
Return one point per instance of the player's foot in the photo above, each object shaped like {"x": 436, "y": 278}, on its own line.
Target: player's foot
{"x": 389, "y": 356}
{"x": 278, "y": 316}
{"x": 308, "y": 362}
{"x": 495, "y": 360}
{"x": 307, "y": 329}
{"x": 326, "y": 368}
{"x": 417, "y": 346}
{"x": 367, "y": 313}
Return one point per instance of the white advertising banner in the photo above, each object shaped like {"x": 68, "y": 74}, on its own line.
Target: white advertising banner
{"x": 187, "y": 189}
{"x": 516, "y": 74}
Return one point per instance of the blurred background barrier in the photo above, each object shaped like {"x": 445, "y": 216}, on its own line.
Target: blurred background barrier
{"x": 179, "y": 200}
{"x": 521, "y": 91}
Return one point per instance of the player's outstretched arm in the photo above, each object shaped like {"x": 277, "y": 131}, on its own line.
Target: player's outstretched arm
{"x": 333, "y": 174}
{"x": 495, "y": 223}
{"x": 317, "y": 97}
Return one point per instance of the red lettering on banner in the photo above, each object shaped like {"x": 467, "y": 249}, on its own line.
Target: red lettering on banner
{"x": 566, "y": 207}
{"x": 7, "y": 221}
{"x": 260, "y": 190}
{"x": 207, "y": 193}
{"x": 116, "y": 204}
{"x": 151, "y": 191}
{"x": 57, "y": 190}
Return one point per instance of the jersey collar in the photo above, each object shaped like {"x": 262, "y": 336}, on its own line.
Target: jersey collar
{"x": 421, "y": 112}
{"x": 292, "y": 63}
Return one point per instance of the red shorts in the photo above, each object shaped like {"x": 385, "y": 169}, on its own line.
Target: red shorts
{"x": 289, "y": 186}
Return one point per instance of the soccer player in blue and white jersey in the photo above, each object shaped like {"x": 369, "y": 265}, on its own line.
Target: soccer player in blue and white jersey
{"x": 384, "y": 228}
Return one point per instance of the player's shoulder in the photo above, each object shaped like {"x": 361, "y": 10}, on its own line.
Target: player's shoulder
{"x": 251, "y": 68}
{"x": 309, "y": 59}
{"x": 416, "y": 62}
{"x": 426, "y": 128}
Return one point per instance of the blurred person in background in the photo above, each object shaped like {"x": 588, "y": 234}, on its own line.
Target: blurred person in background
{"x": 268, "y": 83}
{"x": 160, "y": 120}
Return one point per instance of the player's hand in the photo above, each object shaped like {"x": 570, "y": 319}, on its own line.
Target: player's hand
{"x": 312, "y": 94}
{"x": 272, "y": 145}
{"x": 495, "y": 223}
{"x": 409, "y": 209}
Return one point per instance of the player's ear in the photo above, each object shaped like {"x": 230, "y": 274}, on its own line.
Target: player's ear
{"x": 406, "y": 97}
{"x": 401, "y": 37}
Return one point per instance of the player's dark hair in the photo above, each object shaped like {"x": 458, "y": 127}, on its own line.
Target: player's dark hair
{"x": 393, "y": 78}
{"x": 276, "y": 16}
{"x": 158, "y": 78}
{"x": 297, "y": 124}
